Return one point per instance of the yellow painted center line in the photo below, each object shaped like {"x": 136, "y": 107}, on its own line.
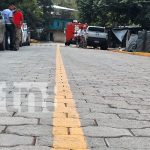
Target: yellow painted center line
{"x": 67, "y": 130}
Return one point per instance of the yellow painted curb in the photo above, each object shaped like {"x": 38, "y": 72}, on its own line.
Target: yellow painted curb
{"x": 67, "y": 130}
{"x": 132, "y": 53}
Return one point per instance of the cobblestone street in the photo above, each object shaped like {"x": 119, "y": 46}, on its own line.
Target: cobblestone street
{"x": 24, "y": 130}
{"x": 111, "y": 92}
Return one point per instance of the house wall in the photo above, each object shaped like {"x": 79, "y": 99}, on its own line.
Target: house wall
{"x": 57, "y": 28}
{"x": 58, "y": 23}
{"x": 59, "y": 36}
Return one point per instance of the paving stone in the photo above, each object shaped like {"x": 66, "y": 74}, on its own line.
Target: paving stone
{"x": 141, "y": 132}
{"x": 40, "y": 103}
{"x": 73, "y": 142}
{"x": 95, "y": 142}
{"x": 38, "y": 115}
{"x": 80, "y": 110}
{"x": 6, "y": 114}
{"x": 130, "y": 143}
{"x": 14, "y": 140}
{"x": 26, "y": 148}
{"x": 46, "y": 121}
{"x": 100, "y": 132}
{"x": 92, "y": 106}
{"x": 114, "y": 111}
{"x": 8, "y": 109}
{"x": 123, "y": 123}
{"x": 144, "y": 111}
{"x": 30, "y": 109}
{"x": 106, "y": 148}
{"x": 128, "y": 106}
{"x": 98, "y": 116}
{"x": 30, "y": 130}
{"x": 2, "y": 128}
{"x": 142, "y": 117}
{"x": 67, "y": 122}
{"x": 44, "y": 141}
{"x": 87, "y": 122}
{"x": 17, "y": 121}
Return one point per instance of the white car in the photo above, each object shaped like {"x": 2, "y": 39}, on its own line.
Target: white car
{"x": 2, "y": 32}
{"x": 97, "y": 37}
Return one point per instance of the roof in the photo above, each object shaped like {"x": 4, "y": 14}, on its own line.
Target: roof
{"x": 63, "y": 8}
{"x": 127, "y": 27}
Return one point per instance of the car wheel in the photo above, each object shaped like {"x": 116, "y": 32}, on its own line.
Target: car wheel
{"x": 94, "y": 46}
{"x": 2, "y": 45}
{"x": 104, "y": 46}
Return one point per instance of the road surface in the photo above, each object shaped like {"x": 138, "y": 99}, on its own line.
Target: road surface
{"x": 64, "y": 98}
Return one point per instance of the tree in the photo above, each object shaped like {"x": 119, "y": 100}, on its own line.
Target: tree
{"x": 32, "y": 13}
{"x": 46, "y": 9}
{"x": 37, "y": 13}
{"x": 115, "y": 12}
{"x": 30, "y": 9}
{"x": 86, "y": 10}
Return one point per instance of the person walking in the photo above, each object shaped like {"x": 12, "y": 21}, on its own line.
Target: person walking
{"x": 8, "y": 17}
{"x": 18, "y": 19}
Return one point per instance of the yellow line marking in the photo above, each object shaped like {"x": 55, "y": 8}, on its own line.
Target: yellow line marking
{"x": 67, "y": 131}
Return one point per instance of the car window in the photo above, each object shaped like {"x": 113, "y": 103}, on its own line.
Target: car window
{"x": 96, "y": 29}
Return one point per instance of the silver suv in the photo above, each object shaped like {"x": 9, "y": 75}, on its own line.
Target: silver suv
{"x": 97, "y": 37}
{"x": 2, "y": 32}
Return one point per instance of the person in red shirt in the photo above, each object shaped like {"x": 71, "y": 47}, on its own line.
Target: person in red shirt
{"x": 18, "y": 22}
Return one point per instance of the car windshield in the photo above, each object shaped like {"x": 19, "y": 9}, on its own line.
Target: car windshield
{"x": 96, "y": 29}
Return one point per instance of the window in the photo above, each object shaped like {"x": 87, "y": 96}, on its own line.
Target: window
{"x": 96, "y": 29}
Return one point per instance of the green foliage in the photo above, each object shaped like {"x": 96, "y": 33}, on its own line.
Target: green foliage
{"x": 112, "y": 13}
{"x": 32, "y": 13}
{"x": 36, "y": 12}
{"x": 46, "y": 9}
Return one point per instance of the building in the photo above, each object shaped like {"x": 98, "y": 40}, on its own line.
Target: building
{"x": 60, "y": 17}
{"x": 57, "y": 29}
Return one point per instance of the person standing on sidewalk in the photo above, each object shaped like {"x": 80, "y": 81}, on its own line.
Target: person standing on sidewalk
{"x": 8, "y": 17}
{"x": 18, "y": 22}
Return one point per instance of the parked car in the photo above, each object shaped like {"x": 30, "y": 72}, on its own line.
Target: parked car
{"x": 2, "y": 32}
{"x": 25, "y": 35}
{"x": 97, "y": 37}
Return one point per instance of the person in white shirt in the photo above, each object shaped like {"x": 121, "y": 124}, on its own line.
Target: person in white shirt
{"x": 81, "y": 34}
{"x": 10, "y": 29}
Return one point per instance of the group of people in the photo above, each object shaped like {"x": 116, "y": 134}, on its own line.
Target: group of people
{"x": 13, "y": 21}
